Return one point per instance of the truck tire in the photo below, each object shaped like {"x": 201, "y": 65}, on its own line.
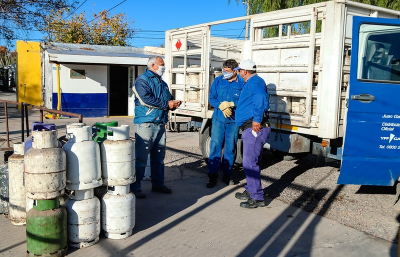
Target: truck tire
{"x": 239, "y": 151}
{"x": 205, "y": 141}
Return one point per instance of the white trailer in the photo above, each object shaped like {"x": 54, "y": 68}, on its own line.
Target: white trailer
{"x": 302, "y": 53}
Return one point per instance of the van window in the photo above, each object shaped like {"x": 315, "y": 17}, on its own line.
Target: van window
{"x": 379, "y": 53}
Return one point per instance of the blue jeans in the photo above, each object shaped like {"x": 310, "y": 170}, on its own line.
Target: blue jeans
{"x": 149, "y": 138}
{"x": 222, "y": 132}
{"x": 252, "y": 156}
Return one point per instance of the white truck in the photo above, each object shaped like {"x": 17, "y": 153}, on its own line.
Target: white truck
{"x": 316, "y": 100}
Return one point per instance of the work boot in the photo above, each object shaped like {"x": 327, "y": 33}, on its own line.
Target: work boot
{"x": 243, "y": 196}
{"x": 212, "y": 181}
{"x": 252, "y": 203}
{"x": 139, "y": 194}
{"x": 163, "y": 189}
{"x": 227, "y": 180}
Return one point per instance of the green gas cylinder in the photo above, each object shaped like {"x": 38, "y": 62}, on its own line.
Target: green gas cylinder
{"x": 102, "y": 133}
{"x": 46, "y": 229}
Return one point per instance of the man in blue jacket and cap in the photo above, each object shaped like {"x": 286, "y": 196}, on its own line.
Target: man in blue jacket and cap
{"x": 251, "y": 117}
{"x": 152, "y": 103}
{"x": 224, "y": 95}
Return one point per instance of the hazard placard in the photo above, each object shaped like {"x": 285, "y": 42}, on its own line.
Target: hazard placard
{"x": 178, "y": 44}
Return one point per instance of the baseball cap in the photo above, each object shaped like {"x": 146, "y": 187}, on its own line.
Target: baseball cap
{"x": 246, "y": 65}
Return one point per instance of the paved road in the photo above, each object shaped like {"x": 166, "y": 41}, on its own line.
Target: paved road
{"x": 196, "y": 221}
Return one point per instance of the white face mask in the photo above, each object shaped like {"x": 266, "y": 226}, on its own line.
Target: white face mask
{"x": 160, "y": 71}
{"x": 227, "y": 75}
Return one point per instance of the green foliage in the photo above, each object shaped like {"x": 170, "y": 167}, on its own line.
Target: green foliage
{"x": 22, "y": 16}
{"x": 103, "y": 29}
{"x": 7, "y": 57}
{"x": 259, "y": 6}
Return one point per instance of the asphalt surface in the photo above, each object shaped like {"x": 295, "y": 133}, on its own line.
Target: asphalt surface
{"x": 197, "y": 221}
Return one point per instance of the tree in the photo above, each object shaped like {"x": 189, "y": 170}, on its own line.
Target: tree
{"x": 259, "y": 6}
{"x": 22, "y": 16}
{"x": 7, "y": 58}
{"x": 103, "y": 29}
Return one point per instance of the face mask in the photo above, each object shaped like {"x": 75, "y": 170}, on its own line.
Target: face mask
{"x": 240, "y": 74}
{"x": 227, "y": 75}
{"x": 160, "y": 71}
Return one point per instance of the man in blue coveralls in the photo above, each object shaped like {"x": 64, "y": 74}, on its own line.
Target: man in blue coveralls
{"x": 152, "y": 103}
{"x": 250, "y": 116}
{"x": 224, "y": 95}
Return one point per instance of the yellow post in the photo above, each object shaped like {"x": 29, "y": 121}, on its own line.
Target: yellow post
{"x": 58, "y": 90}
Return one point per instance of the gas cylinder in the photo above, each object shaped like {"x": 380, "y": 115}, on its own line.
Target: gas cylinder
{"x": 102, "y": 132}
{"x": 118, "y": 212}
{"x": 118, "y": 157}
{"x": 83, "y": 159}
{"x": 75, "y": 125}
{"x": 17, "y": 196}
{"x": 46, "y": 229}
{"x": 83, "y": 210}
{"x": 45, "y": 167}
{"x": 30, "y": 202}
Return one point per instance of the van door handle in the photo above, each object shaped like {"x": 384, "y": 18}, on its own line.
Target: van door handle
{"x": 365, "y": 98}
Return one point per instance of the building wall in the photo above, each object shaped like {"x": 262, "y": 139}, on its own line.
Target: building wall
{"x": 29, "y": 88}
{"x": 86, "y": 96}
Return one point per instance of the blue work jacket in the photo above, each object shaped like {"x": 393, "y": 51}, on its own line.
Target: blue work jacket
{"x": 253, "y": 101}
{"x": 223, "y": 90}
{"x": 152, "y": 97}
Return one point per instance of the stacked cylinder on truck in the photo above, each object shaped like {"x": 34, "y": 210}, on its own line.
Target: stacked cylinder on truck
{"x": 83, "y": 175}
{"x": 118, "y": 204}
{"x": 45, "y": 179}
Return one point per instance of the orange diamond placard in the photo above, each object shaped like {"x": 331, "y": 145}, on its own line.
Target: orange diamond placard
{"x": 178, "y": 44}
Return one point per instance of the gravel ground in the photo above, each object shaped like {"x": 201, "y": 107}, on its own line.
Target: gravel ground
{"x": 310, "y": 183}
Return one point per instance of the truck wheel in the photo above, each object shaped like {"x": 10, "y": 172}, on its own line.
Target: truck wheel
{"x": 205, "y": 141}
{"x": 239, "y": 151}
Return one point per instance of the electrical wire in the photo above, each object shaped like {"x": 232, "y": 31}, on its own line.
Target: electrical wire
{"x": 76, "y": 9}
{"x": 109, "y": 10}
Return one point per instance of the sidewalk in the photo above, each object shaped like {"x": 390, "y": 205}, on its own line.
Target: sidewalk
{"x": 197, "y": 221}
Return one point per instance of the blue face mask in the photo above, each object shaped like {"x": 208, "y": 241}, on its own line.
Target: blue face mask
{"x": 227, "y": 75}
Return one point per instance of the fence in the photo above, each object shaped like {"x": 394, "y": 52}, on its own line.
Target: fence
{"x": 25, "y": 119}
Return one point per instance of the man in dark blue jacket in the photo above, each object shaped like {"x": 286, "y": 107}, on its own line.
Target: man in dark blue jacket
{"x": 152, "y": 102}
{"x": 250, "y": 116}
{"x": 224, "y": 95}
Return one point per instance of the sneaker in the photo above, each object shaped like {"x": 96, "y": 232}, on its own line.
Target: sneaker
{"x": 252, "y": 203}
{"x": 243, "y": 196}
{"x": 164, "y": 190}
{"x": 212, "y": 182}
{"x": 139, "y": 194}
{"x": 227, "y": 180}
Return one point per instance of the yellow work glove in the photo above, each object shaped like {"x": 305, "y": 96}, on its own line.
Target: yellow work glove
{"x": 231, "y": 104}
{"x": 227, "y": 112}
{"x": 224, "y": 105}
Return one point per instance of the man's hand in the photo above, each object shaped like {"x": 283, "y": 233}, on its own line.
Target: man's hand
{"x": 256, "y": 126}
{"x": 224, "y": 105}
{"x": 227, "y": 112}
{"x": 172, "y": 105}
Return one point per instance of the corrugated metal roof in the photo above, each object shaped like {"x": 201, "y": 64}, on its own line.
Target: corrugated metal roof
{"x": 80, "y": 53}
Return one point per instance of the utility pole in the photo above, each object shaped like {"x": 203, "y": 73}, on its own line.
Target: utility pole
{"x": 247, "y": 21}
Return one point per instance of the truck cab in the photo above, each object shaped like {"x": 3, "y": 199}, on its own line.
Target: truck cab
{"x": 371, "y": 152}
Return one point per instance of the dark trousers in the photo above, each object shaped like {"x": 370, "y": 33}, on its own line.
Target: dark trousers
{"x": 252, "y": 156}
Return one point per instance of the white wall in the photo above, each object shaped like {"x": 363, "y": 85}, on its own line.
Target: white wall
{"x": 95, "y": 82}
